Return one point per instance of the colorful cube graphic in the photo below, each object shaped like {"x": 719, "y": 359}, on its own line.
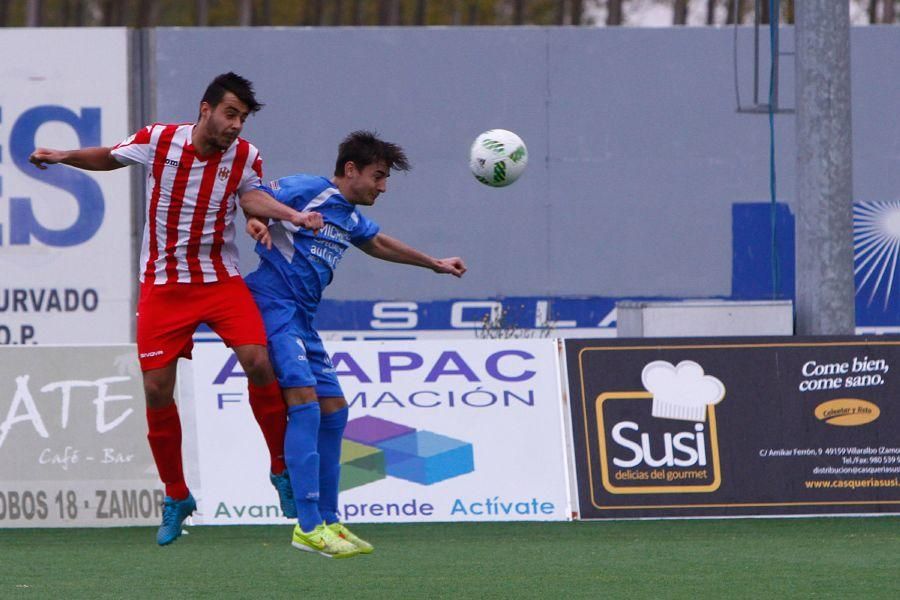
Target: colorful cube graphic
{"x": 371, "y": 430}
{"x": 425, "y": 457}
{"x": 373, "y": 448}
{"x": 360, "y": 464}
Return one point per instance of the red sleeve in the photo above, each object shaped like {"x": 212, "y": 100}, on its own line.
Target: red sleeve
{"x": 135, "y": 149}
{"x": 257, "y": 165}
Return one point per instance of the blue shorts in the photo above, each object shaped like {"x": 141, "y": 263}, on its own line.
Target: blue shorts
{"x": 295, "y": 348}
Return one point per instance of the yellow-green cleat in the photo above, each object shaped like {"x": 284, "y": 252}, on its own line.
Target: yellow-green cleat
{"x": 342, "y": 532}
{"x": 324, "y": 541}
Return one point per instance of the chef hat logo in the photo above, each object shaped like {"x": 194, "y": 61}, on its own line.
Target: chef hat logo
{"x": 681, "y": 392}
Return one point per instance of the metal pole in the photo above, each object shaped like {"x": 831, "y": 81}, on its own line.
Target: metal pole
{"x": 824, "y": 282}
{"x": 34, "y": 13}
{"x": 245, "y": 13}
{"x": 756, "y": 54}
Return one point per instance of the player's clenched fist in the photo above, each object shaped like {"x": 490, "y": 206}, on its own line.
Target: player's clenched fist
{"x": 453, "y": 266}
{"x": 259, "y": 231}
{"x": 308, "y": 219}
{"x": 42, "y": 157}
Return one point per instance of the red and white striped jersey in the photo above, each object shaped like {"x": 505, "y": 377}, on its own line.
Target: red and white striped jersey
{"x": 191, "y": 200}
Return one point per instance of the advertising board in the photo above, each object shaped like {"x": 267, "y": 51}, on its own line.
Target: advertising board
{"x": 730, "y": 426}
{"x": 451, "y": 430}
{"x": 65, "y": 234}
{"x": 73, "y": 439}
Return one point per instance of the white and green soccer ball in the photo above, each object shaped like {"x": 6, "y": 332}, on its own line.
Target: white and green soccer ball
{"x": 498, "y": 157}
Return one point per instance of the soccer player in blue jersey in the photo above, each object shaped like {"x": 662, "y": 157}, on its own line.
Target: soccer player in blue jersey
{"x": 295, "y": 267}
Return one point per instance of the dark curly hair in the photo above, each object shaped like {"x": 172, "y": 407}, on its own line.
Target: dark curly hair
{"x": 363, "y": 148}
{"x": 237, "y": 85}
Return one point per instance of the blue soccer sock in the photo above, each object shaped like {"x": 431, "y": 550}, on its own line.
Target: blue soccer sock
{"x": 331, "y": 433}
{"x": 303, "y": 462}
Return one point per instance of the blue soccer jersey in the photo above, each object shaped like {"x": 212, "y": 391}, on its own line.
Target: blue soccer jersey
{"x": 292, "y": 275}
{"x": 305, "y": 262}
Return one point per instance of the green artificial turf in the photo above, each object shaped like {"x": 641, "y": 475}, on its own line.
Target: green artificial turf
{"x": 746, "y": 558}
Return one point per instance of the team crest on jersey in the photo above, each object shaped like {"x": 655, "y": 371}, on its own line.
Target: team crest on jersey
{"x": 224, "y": 172}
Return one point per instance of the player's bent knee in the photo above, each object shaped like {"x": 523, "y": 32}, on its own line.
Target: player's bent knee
{"x": 296, "y": 396}
{"x": 332, "y": 404}
{"x": 255, "y": 362}
{"x": 159, "y": 387}
{"x": 157, "y": 396}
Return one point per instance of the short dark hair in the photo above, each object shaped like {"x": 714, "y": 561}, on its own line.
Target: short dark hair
{"x": 237, "y": 85}
{"x": 364, "y": 148}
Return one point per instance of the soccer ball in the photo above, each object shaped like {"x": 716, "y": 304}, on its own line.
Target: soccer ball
{"x": 498, "y": 157}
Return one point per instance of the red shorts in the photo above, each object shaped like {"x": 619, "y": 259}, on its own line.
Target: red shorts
{"x": 168, "y": 315}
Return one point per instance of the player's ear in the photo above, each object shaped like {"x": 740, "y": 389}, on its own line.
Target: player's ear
{"x": 350, "y": 169}
{"x": 205, "y": 109}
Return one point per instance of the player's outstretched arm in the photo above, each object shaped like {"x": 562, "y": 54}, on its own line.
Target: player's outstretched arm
{"x": 90, "y": 159}
{"x": 391, "y": 249}
{"x": 261, "y": 204}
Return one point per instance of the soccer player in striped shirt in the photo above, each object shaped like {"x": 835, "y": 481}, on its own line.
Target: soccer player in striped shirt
{"x": 189, "y": 270}
{"x": 294, "y": 269}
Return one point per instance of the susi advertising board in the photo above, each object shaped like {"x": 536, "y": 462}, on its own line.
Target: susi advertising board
{"x": 763, "y": 426}
{"x": 452, "y": 430}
